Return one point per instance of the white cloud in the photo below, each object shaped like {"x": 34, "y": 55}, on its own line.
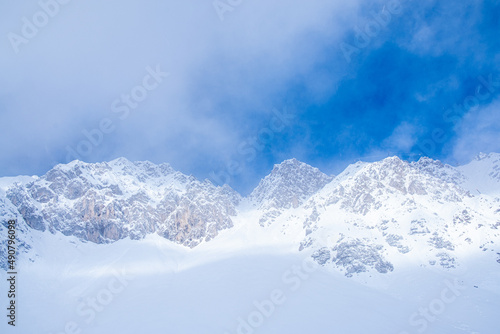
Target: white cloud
{"x": 402, "y": 139}
{"x": 478, "y": 131}
{"x": 65, "y": 78}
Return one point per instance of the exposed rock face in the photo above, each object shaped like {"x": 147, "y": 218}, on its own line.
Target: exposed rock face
{"x": 437, "y": 169}
{"x": 322, "y": 255}
{"x": 378, "y": 184}
{"x": 289, "y": 185}
{"x": 23, "y": 240}
{"x": 356, "y": 256}
{"x": 105, "y": 202}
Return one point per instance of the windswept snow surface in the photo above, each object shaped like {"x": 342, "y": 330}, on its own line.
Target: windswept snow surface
{"x": 155, "y": 286}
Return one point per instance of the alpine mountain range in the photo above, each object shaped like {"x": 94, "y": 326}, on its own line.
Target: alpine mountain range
{"x": 371, "y": 218}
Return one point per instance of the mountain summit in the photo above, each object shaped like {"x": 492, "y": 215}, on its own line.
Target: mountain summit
{"x": 288, "y": 185}
{"x": 105, "y": 202}
{"x": 371, "y": 217}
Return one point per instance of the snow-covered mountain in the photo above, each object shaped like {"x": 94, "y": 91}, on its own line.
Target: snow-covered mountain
{"x": 391, "y": 212}
{"x": 289, "y": 185}
{"x": 304, "y": 252}
{"x": 368, "y": 218}
{"x": 105, "y": 202}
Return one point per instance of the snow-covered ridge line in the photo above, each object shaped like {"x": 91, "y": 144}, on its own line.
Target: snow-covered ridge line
{"x": 104, "y": 202}
{"x": 372, "y": 211}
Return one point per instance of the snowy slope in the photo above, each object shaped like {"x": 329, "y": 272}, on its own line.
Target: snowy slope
{"x": 8, "y": 181}
{"x": 482, "y": 175}
{"x": 156, "y": 286}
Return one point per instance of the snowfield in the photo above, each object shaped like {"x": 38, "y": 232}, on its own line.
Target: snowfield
{"x": 155, "y": 286}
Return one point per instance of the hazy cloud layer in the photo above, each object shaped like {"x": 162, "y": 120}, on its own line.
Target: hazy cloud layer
{"x": 90, "y": 67}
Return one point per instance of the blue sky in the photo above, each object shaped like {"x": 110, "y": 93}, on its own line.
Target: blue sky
{"x": 224, "y": 92}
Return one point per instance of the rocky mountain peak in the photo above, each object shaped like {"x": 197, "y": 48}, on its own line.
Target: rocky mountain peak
{"x": 288, "y": 165}
{"x": 485, "y": 156}
{"x": 288, "y": 185}
{"x": 437, "y": 169}
{"x": 104, "y": 202}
